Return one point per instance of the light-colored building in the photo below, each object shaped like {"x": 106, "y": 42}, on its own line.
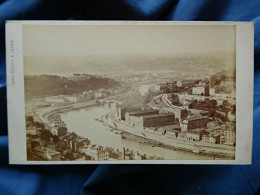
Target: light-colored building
{"x": 46, "y": 153}
{"x": 144, "y": 89}
{"x": 198, "y": 90}
{"x": 54, "y": 131}
{"x": 231, "y": 117}
{"x": 223, "y": 95}
{"x": 228, "y": 83}
{"x": 205, "y": 138}
{"x": 55, "y": 120}
{"x": 193, "y": 136}
{"x": 211, "y": 138}
{"x": 72, "y": 99}
{"x": 227, "y": 133}
{"x": 181, "y": 136}
{"x": 31, "y": 130}
{"x": 214, "y": 139}
{"x": 136, "y": 156}
{"x": 228, "y": 136}
{"x": 54, "y": 100}
{"x": 98, "y": 94}
{"x": 212, "y": 91}
{"x": 179, "y": 84}
{"x": 79, "y": 77}
{"x": 159, "y": 87}
{"x": 96, "y": 152}
{"x": 202, "y": 83}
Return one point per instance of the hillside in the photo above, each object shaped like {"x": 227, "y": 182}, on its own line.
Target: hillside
{"x": 49, "y": 85}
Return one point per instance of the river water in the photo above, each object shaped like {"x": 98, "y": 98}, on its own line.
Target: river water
{"x": 83, "y": 123}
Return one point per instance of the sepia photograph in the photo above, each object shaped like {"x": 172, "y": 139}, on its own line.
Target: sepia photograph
{"x": 133, "y": 92}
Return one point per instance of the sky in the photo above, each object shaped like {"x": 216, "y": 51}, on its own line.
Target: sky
{"x": 57, "y": 41}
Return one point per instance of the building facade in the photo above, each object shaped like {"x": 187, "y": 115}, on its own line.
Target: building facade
{"x": 212, "y": 139}
{"x": 137, "y": 114}
{"x": 96, "y": 152}
{"x": 121, "y": 111}
{"x": 198, "y": 90}
{"x": 195, "y": 123}
{"x": 193, "y": 136}
{"x": 154, "y": 120}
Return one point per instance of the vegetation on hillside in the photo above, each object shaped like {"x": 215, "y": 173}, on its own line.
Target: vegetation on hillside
{"x": 48, "y": 85}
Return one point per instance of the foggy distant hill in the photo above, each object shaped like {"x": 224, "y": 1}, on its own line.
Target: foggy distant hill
{"x": 118, "y": 63}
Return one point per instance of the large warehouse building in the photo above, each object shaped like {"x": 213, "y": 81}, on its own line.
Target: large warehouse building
{"x": 152, "y": 120}
{"x": 195, "y": 122}
{"x": 139, "y": 113}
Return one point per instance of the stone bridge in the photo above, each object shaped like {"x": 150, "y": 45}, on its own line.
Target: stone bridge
{"x": 110, "y": 103}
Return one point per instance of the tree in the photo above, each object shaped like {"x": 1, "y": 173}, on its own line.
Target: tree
{"x": 175, "y": 99}
{"x": 39, "y": 125}
{"x": 30, "y": 118}
{"x": 73, "y": 135}
{"x": 225, "y": 103}
{"x": 213, "y": 103}
{"x": 149, "y": 97}
{"x": 45, "y": 136}
{"x": 69, "y": 155}
{"x": 56, "y": 139}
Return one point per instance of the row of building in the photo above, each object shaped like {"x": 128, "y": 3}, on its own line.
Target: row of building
{"x": 222, "y": 136}
{"x": 225, "y": 90}
{"x": 192, "y": 128}
{"x": 84, "y": 96}
{"x": 58, "y": 127}
{"x": 143, "y": 118}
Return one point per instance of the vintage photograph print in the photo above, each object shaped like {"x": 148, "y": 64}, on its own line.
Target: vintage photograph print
{"x": 130, "y": 92}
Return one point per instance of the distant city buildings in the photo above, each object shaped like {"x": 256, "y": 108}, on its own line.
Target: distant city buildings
{"x": 54, "y": 100}
{"x": 79, "y": 77}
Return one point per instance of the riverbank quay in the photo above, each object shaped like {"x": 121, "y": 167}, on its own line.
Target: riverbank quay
{"x": 72, "y": 146}
{"x": 157, "y": 139}
{"x": 220, "y": 151}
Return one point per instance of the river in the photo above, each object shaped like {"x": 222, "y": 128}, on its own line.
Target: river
{"x": 83, "y": 123}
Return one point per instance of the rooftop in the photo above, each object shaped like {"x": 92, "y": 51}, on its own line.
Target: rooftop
{"x": 187, "y": 81}
{"x": 158, "y": 115}
{"x": 196, "y": 118}
{"x": 142, "y": 112}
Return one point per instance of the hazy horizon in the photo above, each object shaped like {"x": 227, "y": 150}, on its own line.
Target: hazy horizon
{"x": 89, "y": 48}
{"x": 93, "y": 64}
